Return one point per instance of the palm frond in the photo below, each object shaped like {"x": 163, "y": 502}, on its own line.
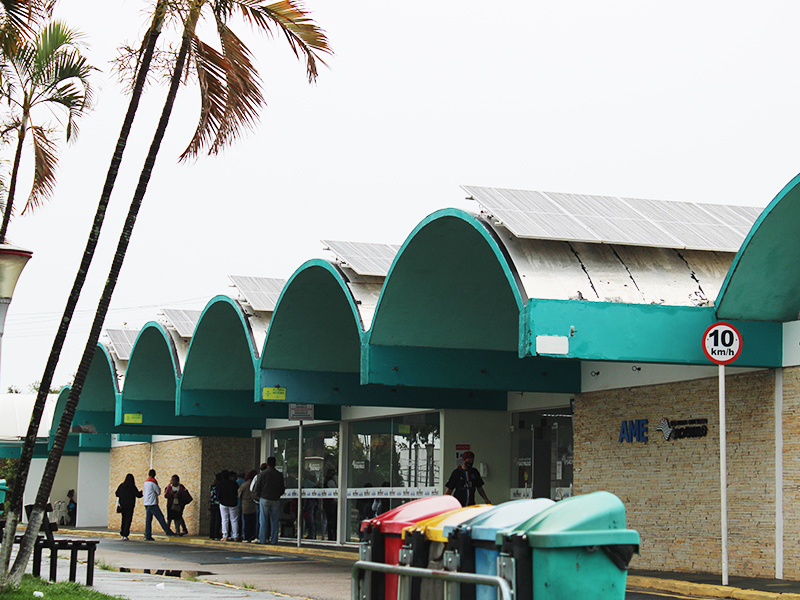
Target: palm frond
{"x": 44, "y": 172}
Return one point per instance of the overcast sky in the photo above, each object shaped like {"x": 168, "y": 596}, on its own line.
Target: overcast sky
{"x": 693, "y": 101}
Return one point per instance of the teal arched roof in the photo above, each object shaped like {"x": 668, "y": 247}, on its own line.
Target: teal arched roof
{"x": 763, "y": 283}
{"x": 219, "y": 372}
{"x": 316, "y": 325}
{"x": 153, "y": 367}
{"x": 451, "y": 286}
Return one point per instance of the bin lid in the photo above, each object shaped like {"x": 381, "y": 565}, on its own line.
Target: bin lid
{"x": 595, "y": 519}
{"x": 433, "y": 528}
{"x": 3, "y": 486}
{"x": 411, "y": 513}
{"x": 503, "y": 516}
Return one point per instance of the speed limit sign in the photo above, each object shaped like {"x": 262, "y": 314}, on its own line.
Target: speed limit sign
{"x": 722, "y": 343}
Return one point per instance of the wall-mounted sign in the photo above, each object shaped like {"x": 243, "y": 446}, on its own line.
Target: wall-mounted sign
{"x": 677, "y": 430}
{"x": 631, "y": 431}
{"x": 133, "y": 418}
{"x": 273, "y": 393}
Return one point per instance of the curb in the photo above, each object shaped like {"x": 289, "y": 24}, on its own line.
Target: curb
{"x": 704, "y": 589}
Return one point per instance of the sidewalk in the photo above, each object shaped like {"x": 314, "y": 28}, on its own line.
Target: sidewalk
{"x": 145, "y": 586}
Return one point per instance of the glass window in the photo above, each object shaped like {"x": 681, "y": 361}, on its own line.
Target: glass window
{"x": 392, "y": 460}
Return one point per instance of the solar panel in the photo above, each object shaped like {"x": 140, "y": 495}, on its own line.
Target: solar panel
{"x": 122, "y": 341}
{"x": 184, "y": 321}
{"x": 613, "y": 220}
{"x": 262, "y": 293}
{"x": 364, "y": 258}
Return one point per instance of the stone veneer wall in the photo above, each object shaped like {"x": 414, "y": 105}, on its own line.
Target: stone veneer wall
{"x": 671, "y": 488}
{"x": 194, "y": 460}
{"x": 791, "y": 472}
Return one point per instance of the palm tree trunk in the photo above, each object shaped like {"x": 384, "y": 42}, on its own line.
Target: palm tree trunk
{"x": 102, "y": 309}
{"x": 14, "y": 501}
{"x": 12, "y": 186}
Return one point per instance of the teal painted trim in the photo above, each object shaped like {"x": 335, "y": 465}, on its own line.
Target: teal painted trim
{"x": 759, "y": 301}
{"x": 345, "y": 389}
{"x": 134, "y": 437}
{"x": 14, "y": 449}
{"x": 500, "y": 254}
{"x": 469, "y": 370}
{"x": 644, "y": 332}
{"x": 147, "y": 431}
{"x": 94, "y": 442}
{"x": 93, "y": 421}
{"x": 10, "y": 451}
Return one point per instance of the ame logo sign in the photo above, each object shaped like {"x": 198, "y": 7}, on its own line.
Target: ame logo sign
{"x": 631, "y": 431}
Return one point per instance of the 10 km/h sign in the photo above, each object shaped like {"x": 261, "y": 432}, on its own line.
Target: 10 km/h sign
{"x": 722, "y": 343}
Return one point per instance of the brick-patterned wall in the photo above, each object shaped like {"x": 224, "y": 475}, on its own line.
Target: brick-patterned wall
{"x": 194, "y": 460}
{"x": 671, "y": 488}
{"x": 791, "y": 472}
{"x": 238, "y": 454}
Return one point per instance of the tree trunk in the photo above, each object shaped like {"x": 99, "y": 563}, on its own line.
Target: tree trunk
{"x": 14, "y": 501}
{"x": 12, "y": 186}
{"x": 21, "y": 562}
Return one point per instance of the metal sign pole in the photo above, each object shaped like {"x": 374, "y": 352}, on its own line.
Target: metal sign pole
{"x": 300, "y": 484}
{"x": 723, "y": 474}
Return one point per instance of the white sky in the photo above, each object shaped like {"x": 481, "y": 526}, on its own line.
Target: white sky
{"x": 692, "y": 101}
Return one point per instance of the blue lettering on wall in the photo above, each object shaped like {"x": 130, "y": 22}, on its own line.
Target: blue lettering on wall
{"x": 631, "y": 431}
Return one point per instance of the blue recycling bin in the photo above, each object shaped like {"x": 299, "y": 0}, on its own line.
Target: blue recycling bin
{"x": 475, "y": 541}
{"x": 579, "y": 548}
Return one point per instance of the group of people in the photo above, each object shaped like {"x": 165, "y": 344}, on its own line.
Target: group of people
{"x": 177, "y": 497}
{"x": 247, "y": 507}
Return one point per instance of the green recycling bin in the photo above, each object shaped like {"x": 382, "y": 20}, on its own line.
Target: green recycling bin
{"x": 3, "y": 490}
{"x": 577, "y": 548}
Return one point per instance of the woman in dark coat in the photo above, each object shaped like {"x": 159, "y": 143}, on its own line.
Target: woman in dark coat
{"x": 127, "y": 493}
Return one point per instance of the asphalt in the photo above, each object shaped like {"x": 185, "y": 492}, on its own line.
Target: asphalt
{"x": 197, "y": 567}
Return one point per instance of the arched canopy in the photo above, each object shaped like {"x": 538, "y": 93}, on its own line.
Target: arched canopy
{"x": 449, "y": 315}
{"x": 148, "y": 399}
{"x": 313, "y": 348}
{"x": 90, "y": 430}
{"x": 763, "y": 283}
{"x": 98, "y": 402}
{"x": 219, "y": 373}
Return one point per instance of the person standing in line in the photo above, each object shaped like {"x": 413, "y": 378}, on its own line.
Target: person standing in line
{"x": 269, "y": 488}
{"x": 228, "y": 496}
{"x": 177, "y": 498}
{"x": 127, "y": 493}
{"x": 72, "y": 508}
{"x": 215, "y": 518}
{"x": 465, "y": 481}
{"x": 151, "y": 508}
{"x": 248, "y": 509}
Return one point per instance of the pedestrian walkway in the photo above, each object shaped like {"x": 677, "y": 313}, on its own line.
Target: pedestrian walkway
{"x": 137, "y": 584}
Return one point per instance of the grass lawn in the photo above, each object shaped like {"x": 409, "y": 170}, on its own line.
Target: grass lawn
{"x": 66, "y": 590}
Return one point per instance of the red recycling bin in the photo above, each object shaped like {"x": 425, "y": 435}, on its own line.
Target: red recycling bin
{"x": 383, "y": 535}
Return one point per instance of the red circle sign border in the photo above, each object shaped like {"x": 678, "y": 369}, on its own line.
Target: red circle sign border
{"x": 714, "y": 360}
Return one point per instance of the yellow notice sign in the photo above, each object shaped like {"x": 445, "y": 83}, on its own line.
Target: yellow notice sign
{"x": 274, "y": 393}
{"x": 133, "y": 418}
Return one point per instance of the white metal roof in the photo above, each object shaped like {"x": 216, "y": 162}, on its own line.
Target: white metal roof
{"x": 16, "y": 410}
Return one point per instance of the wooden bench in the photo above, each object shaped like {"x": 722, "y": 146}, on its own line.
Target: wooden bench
{"x": 74, "y": 546}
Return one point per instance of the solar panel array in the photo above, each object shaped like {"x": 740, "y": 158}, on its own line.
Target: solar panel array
{"x": 184, "y": 321}
{"x": 262, "y": 293}
{"x": 122, "y": 341}
{"x": 614, "y": 220}
{"x": 363, "y": 258}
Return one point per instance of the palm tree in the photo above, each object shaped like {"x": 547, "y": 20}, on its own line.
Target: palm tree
{"x": 232, "y": 102}
{"x": 48, "y": 71}
{"x": 13, "y": 505}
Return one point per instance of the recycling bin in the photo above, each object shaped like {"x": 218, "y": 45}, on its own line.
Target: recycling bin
{"x": 383, "y": 538}
{"x": 473, "y": 544}
{"x": 3, "y": 490}
{"x": 579, "y": 548}
{"x": 424, "y": 546}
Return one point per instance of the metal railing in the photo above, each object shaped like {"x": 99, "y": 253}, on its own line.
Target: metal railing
{"x": 451, "y": 579}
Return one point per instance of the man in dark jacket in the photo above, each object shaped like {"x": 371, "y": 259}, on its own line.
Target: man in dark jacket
{"x": 269, "y": 487}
